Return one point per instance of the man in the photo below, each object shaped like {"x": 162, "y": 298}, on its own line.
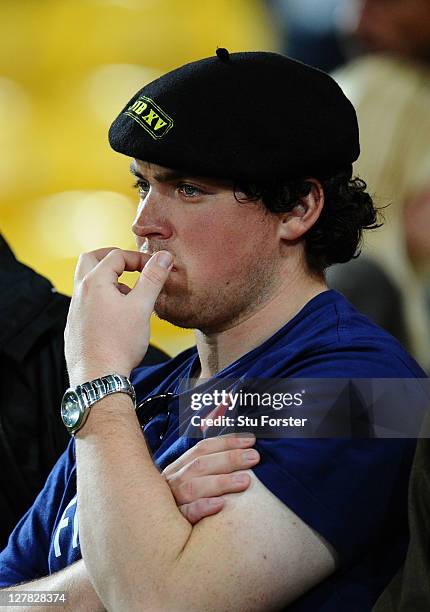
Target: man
{"x": 243, "y": 166}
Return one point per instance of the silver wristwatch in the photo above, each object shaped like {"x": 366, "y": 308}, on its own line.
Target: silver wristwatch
{"x": 77, "y": 402}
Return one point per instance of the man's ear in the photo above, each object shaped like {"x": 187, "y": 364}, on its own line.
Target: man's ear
{"x": 304, "y": 214}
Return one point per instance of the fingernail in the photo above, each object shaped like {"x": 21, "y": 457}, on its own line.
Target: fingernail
{"x": 215, "y": 501}
{"x": 251, "y": 455}
{"x": 239, "y": 478}
{"x": 164, "y": 259}
{"x": 248, "y": 439}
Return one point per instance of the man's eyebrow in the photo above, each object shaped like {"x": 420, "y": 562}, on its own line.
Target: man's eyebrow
{"x": 135, "y": 171}
{"x": 161, "y": 177}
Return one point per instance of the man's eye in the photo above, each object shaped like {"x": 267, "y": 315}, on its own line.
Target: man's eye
{"x": 189, "y": 190}
{"x": 141, "y": 186}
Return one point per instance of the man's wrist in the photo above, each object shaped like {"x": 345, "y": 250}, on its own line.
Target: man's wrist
{"x": 105, "y": 415}
{"x": 80, "y": 376}
{"x": 111, "y": 404}
{"x": 78, "y": 401}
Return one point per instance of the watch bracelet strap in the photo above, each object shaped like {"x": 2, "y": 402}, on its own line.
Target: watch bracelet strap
{"x": 95, "y": 390}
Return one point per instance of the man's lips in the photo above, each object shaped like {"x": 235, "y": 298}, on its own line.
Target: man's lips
{"x": 145, "y": 249}
{"x": 151, "y": 253}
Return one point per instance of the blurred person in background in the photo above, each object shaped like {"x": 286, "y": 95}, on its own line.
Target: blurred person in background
{"x": 409, "y": 591}
{"x": 328, "y": 33}
{"x": 33, "y": 378}
{"x": 308, "y": 31}
{"x": 390, "y": 89}
{"x": 397, "y": 27}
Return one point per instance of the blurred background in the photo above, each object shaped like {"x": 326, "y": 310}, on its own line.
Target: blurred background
{"x": 67, "y": 67}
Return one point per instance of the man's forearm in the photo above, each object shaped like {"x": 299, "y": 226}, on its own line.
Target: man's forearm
{"x": 73, "y": 581}
{"x": 128, "y": 518}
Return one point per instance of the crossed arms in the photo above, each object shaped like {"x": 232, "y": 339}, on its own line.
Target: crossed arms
{"x": 201, "y": 474}
{"x": 144, "y": 555}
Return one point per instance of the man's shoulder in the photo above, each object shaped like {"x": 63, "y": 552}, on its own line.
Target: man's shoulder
{"x": 361, "y": 343}
{"x": 331, "y": 338}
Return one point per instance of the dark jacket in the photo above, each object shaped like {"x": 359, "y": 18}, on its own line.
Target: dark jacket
{"x": 409, "y": 591}
{"x": 33, "y": 378}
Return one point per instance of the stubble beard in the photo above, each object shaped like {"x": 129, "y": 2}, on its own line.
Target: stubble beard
{"x": 215, "y": 309}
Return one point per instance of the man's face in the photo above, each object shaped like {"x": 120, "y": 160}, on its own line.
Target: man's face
{"x": 226, "y": 254}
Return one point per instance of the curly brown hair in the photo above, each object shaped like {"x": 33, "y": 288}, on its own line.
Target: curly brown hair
{"x": 337, "y": 234}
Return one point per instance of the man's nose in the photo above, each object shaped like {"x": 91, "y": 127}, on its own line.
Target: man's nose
{"x": 151, "y": 220}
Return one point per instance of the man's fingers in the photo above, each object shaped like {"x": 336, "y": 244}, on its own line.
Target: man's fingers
{"x": 88, "y": 261}
{"x": 118, "y": 261}
{"x": 208, "y": 447}
{"x": 110, "y": 261}
{"x": 225, "y": 462}
{"x": 197, "y": 510}
{"x": 152, "y": 278}
{"x": 209, "y": 486}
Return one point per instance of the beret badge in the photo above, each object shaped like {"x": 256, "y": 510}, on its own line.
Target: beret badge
{"x": 150, "y": 116}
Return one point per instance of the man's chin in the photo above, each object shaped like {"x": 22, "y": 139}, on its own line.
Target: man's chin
{"x": 168, "y": 310}
{"x": 173, "y": 318}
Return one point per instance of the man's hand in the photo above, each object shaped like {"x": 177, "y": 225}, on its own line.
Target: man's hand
{"x": 213, "y": 467}
{"x": 108, "y": 324}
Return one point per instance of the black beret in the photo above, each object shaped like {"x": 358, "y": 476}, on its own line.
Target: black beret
{"x": 253, "y": 116}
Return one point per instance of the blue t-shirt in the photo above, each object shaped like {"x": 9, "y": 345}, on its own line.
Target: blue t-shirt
{"x": 352, "y": 491}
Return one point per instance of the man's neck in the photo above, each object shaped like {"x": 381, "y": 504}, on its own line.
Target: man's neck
{"x": 218, "y": 350}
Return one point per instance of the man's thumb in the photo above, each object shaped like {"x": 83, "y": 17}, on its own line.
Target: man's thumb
{"x": 154, "y": 275}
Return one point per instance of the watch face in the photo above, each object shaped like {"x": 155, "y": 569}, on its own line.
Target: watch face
{"x": 70, "y": 409}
